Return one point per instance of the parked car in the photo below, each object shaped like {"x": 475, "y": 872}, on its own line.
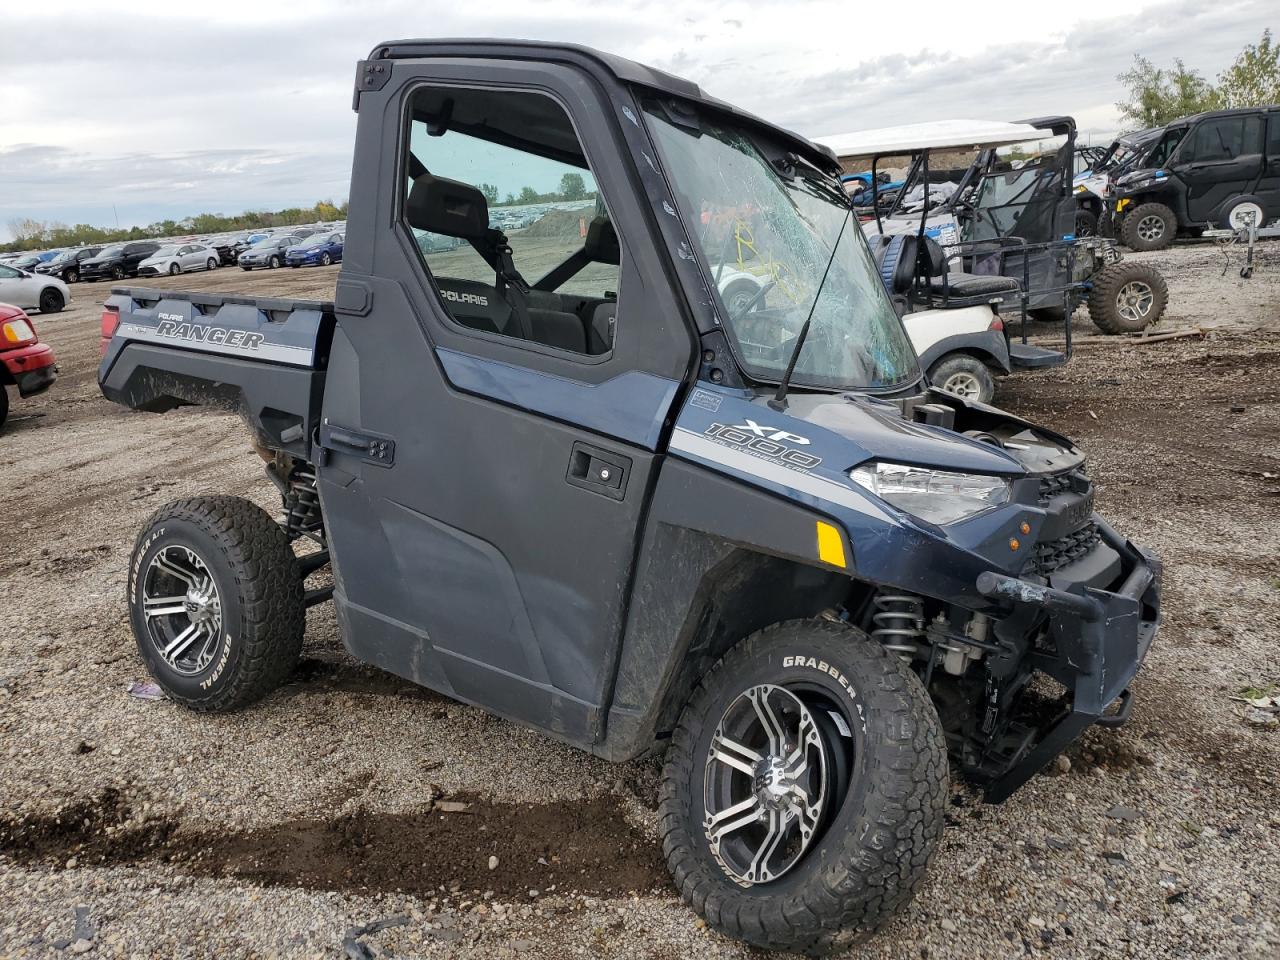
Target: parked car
{"x": 25, "y": 362}
{"x": 29, "y": 261}
{"x": 66, "y": 265}
{"x": 118, "y": 261}
{"x": 32, "y": 291}
{"x": 179, "y": 259}
{"x": 225, "y": 246}
{"x": 303, "y": 232}
{"x": 267, "y": 253}
{"x": 245, "y": 241}
{"x": 316, "y": 251}
{"x": 1216, "y": 169}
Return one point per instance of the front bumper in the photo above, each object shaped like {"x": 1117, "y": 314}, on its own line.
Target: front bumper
{"x": 1096, "y": 642}
{"x": 32, "y": 368}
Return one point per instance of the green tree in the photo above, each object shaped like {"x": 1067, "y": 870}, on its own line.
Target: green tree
{"x": 490, "y": 193}
{"x": 1157, "y": 96}
{"x": 528, "y": 195}
{"x": 1254, "y": 79}
{"x": 572, "y": 187}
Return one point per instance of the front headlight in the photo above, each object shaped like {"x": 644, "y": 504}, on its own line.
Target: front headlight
{"x": 937, "y": 496}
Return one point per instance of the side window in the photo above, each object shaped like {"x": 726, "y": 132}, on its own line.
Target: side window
{"x": 508, "y": 220}
{"x": 1215, "y": 140}
{"x": 1273, "y": 136}
{"x": 1164, "y": 150}
{"x": 8, "y": 273}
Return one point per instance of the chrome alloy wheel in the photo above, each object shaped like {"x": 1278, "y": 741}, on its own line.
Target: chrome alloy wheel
{"x": 182, "y": 608}
{"x": 1134, "y": 300}
{"x": 1151, "y": 228}
{"x": 767, "y": 785}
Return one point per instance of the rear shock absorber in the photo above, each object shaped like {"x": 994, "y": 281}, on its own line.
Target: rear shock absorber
{"x": 302, "y": 504}
{"x": 899, "y": 623}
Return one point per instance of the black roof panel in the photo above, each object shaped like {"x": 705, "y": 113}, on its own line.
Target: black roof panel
{"x": 620, "y": 68}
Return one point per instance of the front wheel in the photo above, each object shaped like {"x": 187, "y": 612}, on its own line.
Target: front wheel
{"x": 117, "y": 273}
{"x": 804, "y": 788}
{"x": 211, "y": 264}
{"x": 174, "y": 269}
{"x": 964, "y": 376}
{"x": 1127, "y": 297}
{"x": 51, "y": 300}
{"x": 1086, "y": 223}
{"x": 325, "y": 259}
{"x": 273, "y": 263}
{"x": 1149, "y": 226}
{"x": 216, "y": 602}
{"x": 73, "y": 276}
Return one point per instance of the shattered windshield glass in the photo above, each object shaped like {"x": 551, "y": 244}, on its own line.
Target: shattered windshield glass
{"x": 768, "y": 238}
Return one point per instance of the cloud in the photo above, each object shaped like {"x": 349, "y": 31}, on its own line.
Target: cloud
{"x": 243, "y": 104}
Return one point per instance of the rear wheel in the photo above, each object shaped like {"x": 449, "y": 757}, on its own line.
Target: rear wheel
{"x": 1127, "y": 297}
{"x": 1086, "y": 223}
{"x": 1149, "y": 226}
{"x": 51, "y": 300}
{"x": 216, "y": 602}
{"x": 804, "y": 788}
{"x": 964, "y": 376}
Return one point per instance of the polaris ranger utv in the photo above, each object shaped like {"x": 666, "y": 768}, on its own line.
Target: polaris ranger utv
{"x": 556, "y": 476}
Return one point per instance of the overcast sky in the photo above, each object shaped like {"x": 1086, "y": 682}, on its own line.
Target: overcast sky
{"x": 164, "y": 109}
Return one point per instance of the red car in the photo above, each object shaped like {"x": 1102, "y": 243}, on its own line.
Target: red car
{"x": 25, "y": 362}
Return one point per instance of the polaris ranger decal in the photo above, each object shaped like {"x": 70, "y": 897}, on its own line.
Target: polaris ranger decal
{"x": 472, "y": 298}
{"x": 174, "y": 330}
{"x": 202, "y": 334}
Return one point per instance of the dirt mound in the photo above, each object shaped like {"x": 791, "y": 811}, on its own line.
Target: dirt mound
{"x": 585, "y": 846}
{"x": 558, "y": 223}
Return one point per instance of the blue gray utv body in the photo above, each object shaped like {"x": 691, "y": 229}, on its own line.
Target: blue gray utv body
{"x": 570, "y": 544}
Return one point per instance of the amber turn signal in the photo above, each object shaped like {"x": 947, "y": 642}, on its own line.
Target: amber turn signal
{"x": 1013, "y": 543}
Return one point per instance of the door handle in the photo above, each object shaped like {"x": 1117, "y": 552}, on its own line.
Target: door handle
{"x": 379, "y": 451}
{"x": 600, "y": 471}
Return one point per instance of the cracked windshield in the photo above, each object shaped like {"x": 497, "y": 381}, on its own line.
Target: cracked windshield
{"x": 768, "y": 239}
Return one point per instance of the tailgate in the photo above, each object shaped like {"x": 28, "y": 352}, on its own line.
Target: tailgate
{"x": 264, "y": 358}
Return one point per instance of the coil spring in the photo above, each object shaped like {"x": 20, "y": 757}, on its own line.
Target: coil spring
{"x": 899, "y": 622}
{"x": 302, "y": 503}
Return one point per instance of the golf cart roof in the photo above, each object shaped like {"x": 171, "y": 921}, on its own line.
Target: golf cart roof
{"x": 939, "y": 135}
{"x": 605, "y": 65}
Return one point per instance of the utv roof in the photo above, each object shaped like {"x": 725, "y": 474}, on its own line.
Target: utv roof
{"x": 942, "y": 135}
{"x": 597, "y": 61}
{"x": 1215, "y": 114}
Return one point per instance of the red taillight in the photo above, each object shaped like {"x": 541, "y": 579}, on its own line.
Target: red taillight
{"x": 110, "y": 320}
{"x": 996, "y": 324}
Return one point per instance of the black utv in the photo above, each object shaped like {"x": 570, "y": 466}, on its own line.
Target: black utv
{"x": 1219, "y": 169}
{"x": 558, "y": 476}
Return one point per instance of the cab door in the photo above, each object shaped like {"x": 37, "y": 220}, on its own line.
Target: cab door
{"x": 484, "y": 477}
{"x": 1221, "y": 158}
{"x": 1268, "y": 189}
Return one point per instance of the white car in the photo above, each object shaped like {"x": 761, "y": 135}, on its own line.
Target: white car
{"x": 179, "y": 258}
{"x": 32, "y": 291}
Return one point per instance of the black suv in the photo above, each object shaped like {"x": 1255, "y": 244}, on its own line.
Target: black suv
{"x": 1213, "y": 169}
{"x": 118, "y": 261}
{"x": 66, "y": 265}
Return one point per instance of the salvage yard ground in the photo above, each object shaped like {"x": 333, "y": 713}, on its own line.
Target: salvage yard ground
{"x": 351, "y": 796}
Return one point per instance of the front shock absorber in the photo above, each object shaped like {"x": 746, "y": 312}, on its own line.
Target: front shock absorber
{"x": 899, "y": 623}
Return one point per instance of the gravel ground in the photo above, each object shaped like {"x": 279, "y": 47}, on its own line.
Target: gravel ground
{"x": 351, "y": 797}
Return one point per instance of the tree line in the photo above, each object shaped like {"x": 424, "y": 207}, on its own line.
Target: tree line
{"x": 31, "y": 234}
{"x": 572, "y": 187}
{"x": 1160, "y": 95}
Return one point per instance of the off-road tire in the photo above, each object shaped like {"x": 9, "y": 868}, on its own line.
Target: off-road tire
{"x": 4, "y": 405}
{"x": 1086, "y": 223}
{"x": 877, "y": 848}
{"x": 962, "y": 365}
{"x": 52, "y": 301}
{"x": 260, "y": 588}
{"x": 1104, "y": 309}
{"x": 1129, "y": 227}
